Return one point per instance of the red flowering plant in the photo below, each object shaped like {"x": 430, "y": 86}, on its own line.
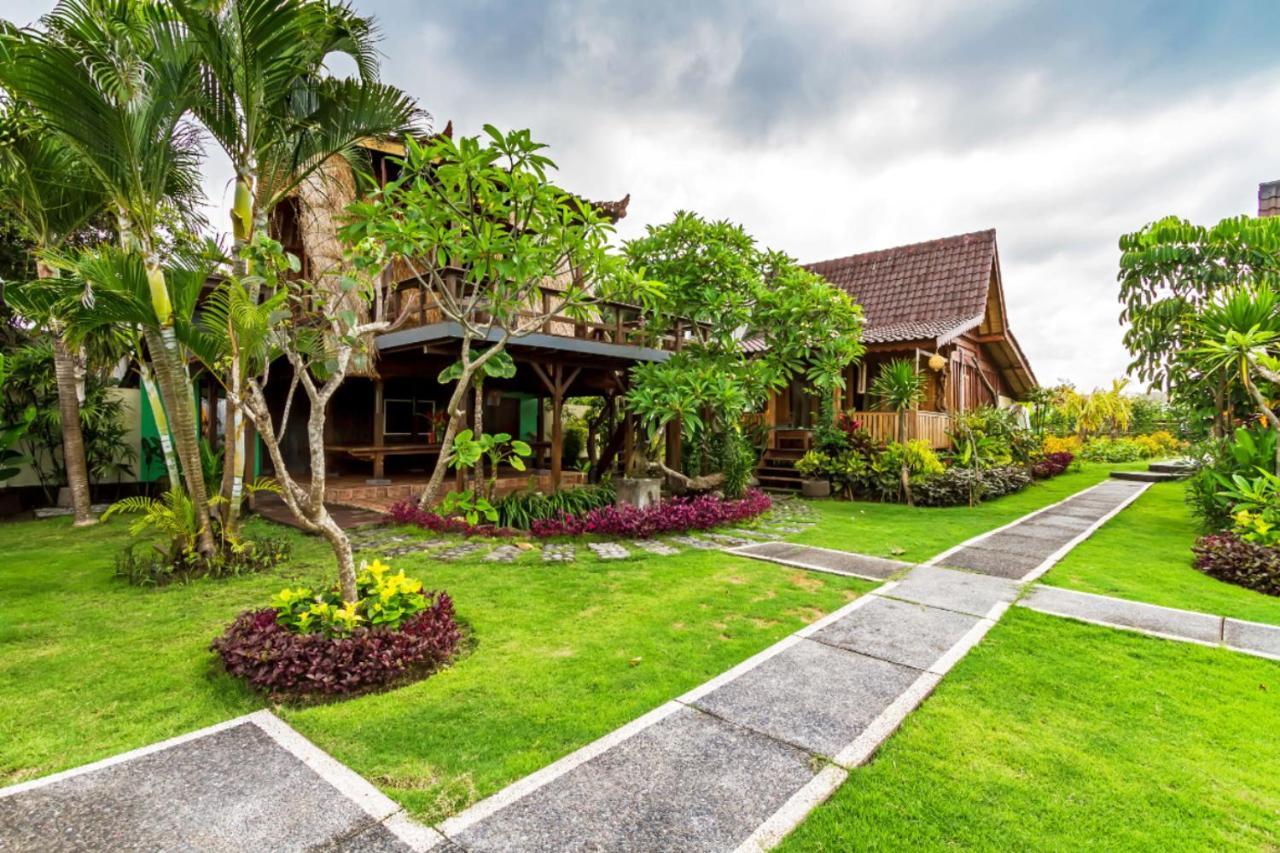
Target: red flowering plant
{"x": 310, "y": 643}
{"x": 674, "y": 515}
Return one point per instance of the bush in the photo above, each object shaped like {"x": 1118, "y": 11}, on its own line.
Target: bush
{"x": 383, "y": 600}
{"x": 1061, "y": 444}
{"x": 522, "y": 509}
{"x": 573, "y": 442}
{"x": 1004, "y": 480}
{"x": 1103, "y": 449}
{"x": 1052, "y": 465}
{"x": 735, "y": 457}
{"x": 407, "y": 512}
{"x": 1249, "y": 452}
{"x": 1159, "y": 443}
{"x": 285, "y": 664}
{"x": 950, "y": 488}
{"x": 916, "y": 453}
{"x": 674, "y": 515}
{"x": 149, "y": 566}
{"x": 813, "y": 464}
{"x": 1229, "y": 558}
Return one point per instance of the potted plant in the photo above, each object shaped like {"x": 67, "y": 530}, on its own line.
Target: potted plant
{"x": 812, "y": 468}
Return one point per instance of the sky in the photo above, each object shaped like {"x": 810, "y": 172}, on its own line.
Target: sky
{"x": 828, "y": 128}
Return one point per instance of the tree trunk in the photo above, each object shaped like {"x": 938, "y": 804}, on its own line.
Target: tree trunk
{"x": 477, "y": 480}
{"x": 73, "y": 455}
{"x": 906, "y": 471}
{"x": 175, "y": 393}
{"x": 149, "y": 387}
{"x": 431, "y": 494}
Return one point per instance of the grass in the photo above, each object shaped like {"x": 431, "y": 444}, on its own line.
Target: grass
{"x": 1144, "y": 554}
{"x": 917, "y": 533}
{"x": 563, "y": 654}
{"x": 1054, "y": 735}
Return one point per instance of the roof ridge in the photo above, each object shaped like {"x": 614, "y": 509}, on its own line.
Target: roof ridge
{"x": 937, "y": 241}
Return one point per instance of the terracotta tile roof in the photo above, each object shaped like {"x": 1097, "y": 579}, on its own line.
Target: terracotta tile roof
{"x": 925, "y": 290}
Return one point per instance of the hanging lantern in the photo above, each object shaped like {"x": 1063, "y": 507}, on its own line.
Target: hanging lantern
{"x": 937, "y": 362}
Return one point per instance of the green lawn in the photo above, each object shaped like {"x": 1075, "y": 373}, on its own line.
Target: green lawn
{"x": 1054, "y": 735}
{"x": 563, "y": 654}
{"x": 915, "y": 534}
{"x": 1144, "y": 554}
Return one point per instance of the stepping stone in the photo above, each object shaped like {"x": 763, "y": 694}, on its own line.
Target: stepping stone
{"x": 823, "y": 560}
{"x": 654, "y": 546}
{"x": 503, "y": 554}
{"x": 458, "y": 552}
{"x": 752, "y": 534}
{"x": 558, "y": 553}
{"x": 609, "y": 550}
{"x": 1015, "y": 541}
{"x": 1252, "y": 637}
{"x": 689, "y": 782}
{"x": 1051, "y": 537}
{"x": 731, "y": 541}
{"x": 898, "y": 631}
{"x": 1065, "y": 523}
{"x": 949, "y": 589}
{"x": 988, "y": 561}
{"x": 695, "y": 542}
{"x": 811, "y": 695}
{"x": 1118, "y": 613}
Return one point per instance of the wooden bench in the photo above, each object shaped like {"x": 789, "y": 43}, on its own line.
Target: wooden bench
{"x": 378, "y": 454}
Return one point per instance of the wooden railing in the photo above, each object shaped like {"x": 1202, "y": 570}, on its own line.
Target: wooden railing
{"x": 930, "y": 426}
{"x": 603, "y": 320}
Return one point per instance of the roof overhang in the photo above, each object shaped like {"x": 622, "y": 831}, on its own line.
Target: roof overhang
{"x": 438, "y": 333}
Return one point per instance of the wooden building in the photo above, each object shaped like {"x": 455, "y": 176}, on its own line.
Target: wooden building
{"x": 939, "y": 304}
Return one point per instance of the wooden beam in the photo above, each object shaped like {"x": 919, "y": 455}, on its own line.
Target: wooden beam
{"x": 379, "y": 425}
{"x": 557, "y": 426}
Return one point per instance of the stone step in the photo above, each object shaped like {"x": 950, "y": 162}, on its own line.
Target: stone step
{"x": 1146, "y": 476}
{"x": 1175, "y": 467}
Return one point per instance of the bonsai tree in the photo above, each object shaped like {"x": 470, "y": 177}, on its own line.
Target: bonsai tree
{"x": 900, "y": 388}
{"x": 492, "y": 243}
{"x": 720, "y": 288}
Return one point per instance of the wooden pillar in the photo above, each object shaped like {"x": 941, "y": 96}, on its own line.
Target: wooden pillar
{"x": 379, "y": 425}
{"x": 557, "y": 426}
{"x": 673, "y": 440}
{"x": 541, "y": 430}
{"x": 628, "y": 441}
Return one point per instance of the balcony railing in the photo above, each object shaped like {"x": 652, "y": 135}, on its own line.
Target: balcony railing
{"x": 930, "y": 426}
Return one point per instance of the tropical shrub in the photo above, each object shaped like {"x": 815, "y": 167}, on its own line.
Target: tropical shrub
{"x": 1004, "y": 480}
{"x": 674, "y": 515}
{"x": 147, "y": 565}
{"x": 1229, "y": 557}
{"x": 384, "y": 600}
{"x": 1160, "y": 443}
{"x": 916, "y": 455}
{"x": 813, "y": 464}
{"x": 1052, "y": 465}
{"x": 952, "y": 487}
{"x": 468, "y": 505}
{"x": 1255, "y": 507}
{"x": 1104, "y": 449}
{"x": 408, "y": 512}
{"x": 1218, "y": 461}
{"x": 522, "y": 509}
{"x": 1062, "y": 444}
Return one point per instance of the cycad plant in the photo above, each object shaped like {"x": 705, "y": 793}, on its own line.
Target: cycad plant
{"x": 900, "y": 387}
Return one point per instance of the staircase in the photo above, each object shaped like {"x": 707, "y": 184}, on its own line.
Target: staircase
{"x": 1157, "y": 472}
{"x": 776, "y": 471}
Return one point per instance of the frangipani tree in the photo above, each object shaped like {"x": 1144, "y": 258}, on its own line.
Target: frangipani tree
{"x": 720, "y": 288}
{"x": 500, "y": 250}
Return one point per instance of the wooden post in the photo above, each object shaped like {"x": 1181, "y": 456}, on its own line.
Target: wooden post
{"x": 557, "y": 426}
{"x": 379, "y": 425}
{"x": 673, "y": 441}
{"x": 541, "y": 431}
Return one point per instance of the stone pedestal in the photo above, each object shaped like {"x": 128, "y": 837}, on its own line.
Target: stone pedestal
{"x": 815, "y": 488}
{"x": 638, "y": 492}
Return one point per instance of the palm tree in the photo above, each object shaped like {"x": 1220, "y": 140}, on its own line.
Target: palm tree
{"x": 1237, "y": 335}
{"x": 286, "y": 127}
{"x": 49, "y": 193}
{"x": 114, "y": 81}
{"x": 899, "y": 387}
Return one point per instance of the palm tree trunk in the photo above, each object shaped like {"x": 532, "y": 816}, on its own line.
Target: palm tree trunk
{"x": 175, "y": 392}
{"x": 73, "y": 455}
{"x": 906, "y": 470}
{"x": 162, "y": 421}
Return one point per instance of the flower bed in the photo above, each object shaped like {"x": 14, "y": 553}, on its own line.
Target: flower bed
{"x": 1052, "y": 465}
{"x": 309, "y": 644}
{"x": 1228, "y": 557}
{"x": 674, "y": 515}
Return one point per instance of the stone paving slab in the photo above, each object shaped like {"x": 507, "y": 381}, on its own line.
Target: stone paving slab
{"x": 1001, "y": 564}
{"x": 899, "y": 631}
{"x": 231, "y": 787}
{"x": 811, "y": 695}
{"x": 1033, "y": 543}
{"x": 655, "y": 546}
{"x": 950, "y": 589}
{"x": 1118, "y": 613}
{"x": 689, "y": 782}
{"x": 824, "y": 560}
{"x": 1252, "y": 637}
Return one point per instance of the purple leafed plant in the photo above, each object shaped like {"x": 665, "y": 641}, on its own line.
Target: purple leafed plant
{"x": 1229, "y": 558}
{"x": 673, "y": 515}
{"x": 1052, "y": 465}
{"x": 286, "y": 664}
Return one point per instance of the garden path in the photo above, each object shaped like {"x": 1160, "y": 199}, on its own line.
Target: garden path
{"x": 733, "y": 764}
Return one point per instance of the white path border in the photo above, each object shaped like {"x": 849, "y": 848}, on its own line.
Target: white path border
{"x": 738, "y": 551}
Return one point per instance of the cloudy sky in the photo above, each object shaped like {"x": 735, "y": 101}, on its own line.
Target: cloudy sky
{"x": 829, "y": 128}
